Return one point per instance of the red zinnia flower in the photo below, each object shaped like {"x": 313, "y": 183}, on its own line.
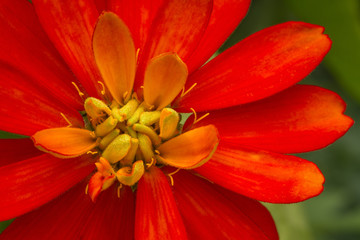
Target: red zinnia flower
{"x": 130, "y": 64}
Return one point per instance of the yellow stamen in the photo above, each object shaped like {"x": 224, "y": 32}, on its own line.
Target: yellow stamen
{"x": 157, "y": 152}
{"x": 135, "y": 96}
{"x": 91, "y": 152}
{"x": 153, "y": 162}
{"x": 202, "y": 117}
{"x": 171, "y": 178}
{"x": 155, "y": 139}
{"x": 103, "y": 88}
{"x": 183, "y": 93}
{"x": 137, "y": 54}
{"x": 146, "y": 147}
{"x": 93, "y": 135}
{"x": 81, "y": 94}
{"x": 125, "y": 95}
{"x": 67, "y": 120}
{"x": 86, "y": 189}
{"x": 196, "y": 120}
{"x": 118, "y": 190}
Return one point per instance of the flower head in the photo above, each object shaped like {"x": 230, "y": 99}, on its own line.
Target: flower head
{"x": 113, "y": 131}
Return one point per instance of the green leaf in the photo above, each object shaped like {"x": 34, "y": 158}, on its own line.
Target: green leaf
{"x": 4, "y": 224}
{"x": 342, "y": 23}
{"x": 291, "y": 221}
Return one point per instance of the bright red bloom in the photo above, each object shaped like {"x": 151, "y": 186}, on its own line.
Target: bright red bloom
{"x": 53, "y": 52}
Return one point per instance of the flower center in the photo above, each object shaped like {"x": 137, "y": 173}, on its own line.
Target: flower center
{"x": 128, "y": 137}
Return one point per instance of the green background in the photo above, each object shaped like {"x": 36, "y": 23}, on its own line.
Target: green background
{"x": 335, "y": 214}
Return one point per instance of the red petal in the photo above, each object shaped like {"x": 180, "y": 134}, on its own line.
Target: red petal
{"x": 259, "y": 66}
{"x": 177, "y": 28}
{"x": 262, "y": 175}
{"x": 254, "y": 210}
{"x": 28, "y": 184}
{"x": 74, "y": 216}
{"x": 157, "y": 216}
{"x": 26, "y": 48}
{"x": 300, "y": 119}
{"x": 26, "y": 108}
{"x": 225, "y": 17}
{"x": 70, "y": 26}
{"x": 101, "y": 5}
{"x": 210, "y": 214}
{"x": 15, "y": 150}
{"x": 138, "y": 16}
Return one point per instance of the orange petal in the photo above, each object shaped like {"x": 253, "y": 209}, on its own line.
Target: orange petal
{"x": 65, "y": 142}
{"x": 191, "y": 149}
{"x": 114, "y": 52}
{"x": 164, "y": 78}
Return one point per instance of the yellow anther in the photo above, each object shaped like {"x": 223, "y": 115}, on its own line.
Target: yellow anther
{"x": 196, "y": 120}
{"x": 106, "y": 126}
{"x": 91, "y": 152}
{"x": 93, "y": 135}
{"x": 130, "y": 156}
{"x": 126, "y": 111}
{"x": 142, "y": 87}
{"x": 149, "y": 118}
{"x": 86, "y": 189}
{"x": 81, "y": 94}
{"x": 137, "y": 54}
{"x": 169, "y": 121}
{"x": 195, "y": 114}
{"x": 125, "y": 95}
{"x": 118, "y": 190}
{"x": 114, "y": 104}
{"x": 103, "y": 88}
{"x": 153, "y": 162}
{"x": 171, "y": 178}
{"x": 67, "y": 120}
{"x": 155, "y": 139}
{"x": 117, "y": 149}
{"x": 135, "y": 96}
{"x": 97, "y": 110}
{"x": 146, "y": 147}
{"x": 136, "y": 116}
{"x": 131, "y": 132}
{"x": 183, "y": 93}
{"x": 105, "y": 141}
{"x": 131, "y": 175}
{"x": 157, "y": 152}
{"x": 202, "y": 117}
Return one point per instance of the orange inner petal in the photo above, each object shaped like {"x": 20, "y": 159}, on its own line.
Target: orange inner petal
{"x": 164, "y": 78}
{"x": 191, "y": 149}
{"x": 115, "y": 55}
{"x": 65, "y": 142}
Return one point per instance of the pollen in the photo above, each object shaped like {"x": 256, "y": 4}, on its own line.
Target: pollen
{"x": 81, "y": 94}
{"x": 128, "y": 136}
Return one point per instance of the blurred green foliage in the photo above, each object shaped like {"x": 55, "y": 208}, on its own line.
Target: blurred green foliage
{"x": 335, "y": 214}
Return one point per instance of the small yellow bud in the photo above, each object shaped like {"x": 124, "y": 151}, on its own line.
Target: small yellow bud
{"x": 109, "y": 138}
{"x": 118, "y": 148}
{"x": 96, "y": 108}
{"x": 169, "y": 120}
{"x": 149, "y": 118}
{"x": 126, "y": 111}
{"x": 105, "y": 127}
{"x": 131, "y": 175}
